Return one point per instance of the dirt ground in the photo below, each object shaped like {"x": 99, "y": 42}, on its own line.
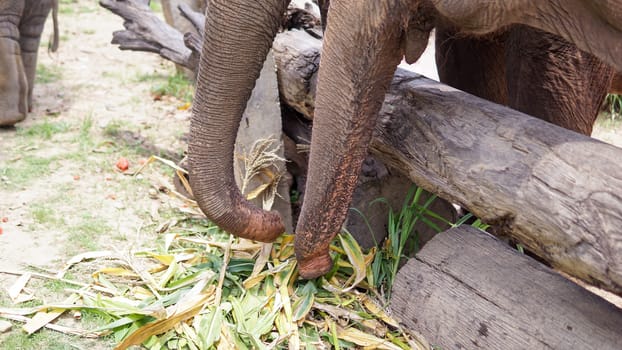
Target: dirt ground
{"x": 60, "y": 194}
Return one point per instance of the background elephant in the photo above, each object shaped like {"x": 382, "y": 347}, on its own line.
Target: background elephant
{"x": 530, "y": 70}
{"x": 363, "y": 44}
{"x": 21, "y": 25}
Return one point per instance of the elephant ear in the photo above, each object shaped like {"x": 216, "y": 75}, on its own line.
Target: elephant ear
{"x": 417, "y": 33}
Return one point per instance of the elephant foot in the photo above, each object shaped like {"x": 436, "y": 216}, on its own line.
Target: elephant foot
{"x": 315, "y": 266}
{"x": 10, "y": 120}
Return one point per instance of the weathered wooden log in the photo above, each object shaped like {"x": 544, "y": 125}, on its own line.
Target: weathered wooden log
{"x": 557, "y": 192}
{"x": 297, "y": 56}
{"x": 180, "y": 14}
{"x": 147, "y": 32}
{"x": 465, "y": 289}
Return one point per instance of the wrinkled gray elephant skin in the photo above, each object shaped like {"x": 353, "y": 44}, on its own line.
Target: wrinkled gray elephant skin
{"x": 21, "y": 25}
{"x": 364, "y": 42}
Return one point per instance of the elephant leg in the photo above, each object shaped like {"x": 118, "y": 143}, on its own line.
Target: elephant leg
{"x": 30, "y": 29}
{"x": 358, "y": 62}
{"x": 13, "y": 83}
{"x": 472, "y": 64}
{"x": 553, "y": 80}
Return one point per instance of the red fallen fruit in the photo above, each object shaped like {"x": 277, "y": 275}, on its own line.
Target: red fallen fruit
{"x": 0, "y": 230}
{"x": 5, "y": 219}
{"x": 123, "y": 164}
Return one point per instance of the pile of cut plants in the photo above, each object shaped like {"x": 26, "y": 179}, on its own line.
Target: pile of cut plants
{"x": 197, "y": 287}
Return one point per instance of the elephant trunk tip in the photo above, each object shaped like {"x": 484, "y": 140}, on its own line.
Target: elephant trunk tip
{"x": 315, "y": 266}
{"x": 263, "y": 227}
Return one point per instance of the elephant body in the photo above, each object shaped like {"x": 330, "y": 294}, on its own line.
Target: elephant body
{"x": 529, "y": 70}
{"x": 364, "y": 42}
{"x": 21, "y": 25}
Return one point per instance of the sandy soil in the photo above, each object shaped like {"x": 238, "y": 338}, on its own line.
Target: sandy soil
{"x": 101, "y": 83}
{"x": 99, "y": 107}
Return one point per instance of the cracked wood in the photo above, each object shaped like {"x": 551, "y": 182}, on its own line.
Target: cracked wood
{"x": 466, "y": 289}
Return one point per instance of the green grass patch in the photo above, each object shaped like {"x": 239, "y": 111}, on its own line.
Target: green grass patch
{"x": 84, "y": 135}
{"x": 69, "y": 7}
{"x": 402, "y": 237}
{"x": 155, "y": 5}
{"x": 114, "y": 127}
{"x": 44, "y": 130}
{"x": 176, "y": 85}
{"x": 48, "y": 74}
{"x": 45, "y": 215}
{"x": 44, "y": 339}
{"x": 56, "y": 286}
{"x": 26, "y": 169}
{"x": 613, "y": 104}
{"x": 85, "y": 234}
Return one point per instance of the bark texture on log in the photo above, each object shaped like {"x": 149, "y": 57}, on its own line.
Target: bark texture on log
{"x": 178, "y": 19}
{"x": 466, "y": 290}
{"x": 297, "y": 56}
{"x": 557, "y": 192}
{"x": 147, "y": 32}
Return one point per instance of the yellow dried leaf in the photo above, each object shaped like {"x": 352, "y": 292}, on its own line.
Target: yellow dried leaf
{"x": 252, "y": 281}
{"x": 164, "y": 259}
{"x": 81, "y": 257}
{"x": 257, "y": 191}
{"x": 361, "y": 338}
{"x": 115, "y": 271}
{"x": 377, "y": 311}
{"x": 356, "y": 258}
{"x": 185, "y": 309}
{"x": 141, "y": 293}
{"x": 184, "y": 106}
{"x": 157, "y": 269}
{"x": 44, "y": 317}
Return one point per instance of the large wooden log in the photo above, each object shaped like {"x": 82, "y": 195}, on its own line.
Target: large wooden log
{"x": 147, "y": 32}
{"x": 467, "y": 290}
{"x": 557, "y": 192}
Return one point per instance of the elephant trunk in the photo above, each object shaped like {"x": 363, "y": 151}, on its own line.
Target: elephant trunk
{"x": 360, "y": 53}
{"x": 238, "y": 36}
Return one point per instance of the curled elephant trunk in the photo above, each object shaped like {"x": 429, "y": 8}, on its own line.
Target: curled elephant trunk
{"x": 238, "y": 36}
